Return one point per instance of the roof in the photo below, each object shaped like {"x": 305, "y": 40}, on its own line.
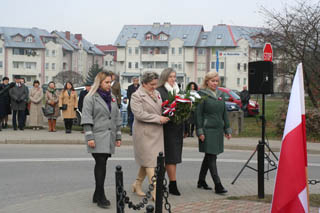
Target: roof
{"x": 106, "y": 48}
{"x": 188, "y": 33}
{"x": 228, "y": 36}
{"x": 9, "y": 32}
{"x": 73, "y": 42}
{"x": 203, "y": 39}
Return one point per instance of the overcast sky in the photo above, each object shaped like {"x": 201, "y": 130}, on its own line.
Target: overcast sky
{"x": 100, "y": 21}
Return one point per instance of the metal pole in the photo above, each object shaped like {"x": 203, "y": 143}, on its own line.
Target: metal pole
{"x": 119, "y": 189}
{"x": 159, "y": 186}
{"x": 261, "y": 153}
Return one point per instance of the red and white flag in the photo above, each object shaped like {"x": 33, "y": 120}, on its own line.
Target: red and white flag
{"x": 291, "y": 192}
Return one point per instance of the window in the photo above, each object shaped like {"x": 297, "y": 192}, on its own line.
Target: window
{"x": 180, "y": 66}
{"x": 221, "y": 65}
{"x": 28, "y": 79}
{"x": 180, "y": 50}
{"x": 111, "y": 63}
{"x": 53, "y": 53}
{"x": 1, "y": 64}
{"x": 199, "y": 80}
{"x": 238, "y": 81}
{"x": 30, "y": 65}
{"x": 1, "y": 49}
{"x": 47, "y": 79}
{"x": 163, "y": 37}
{"x": 244, "y": 81}
{"x": 106, "y": 63}
{"x": 185, "y": 36}
{"x": 134, "y": 35}
{"x": 204, "y": 37}
{"x": 226, "y": 96}
{"x": 64, "y": 66}
{"x": 201, "y": 51}
{"x": 163, "y": 51}
{"x": 173, "y": 51}
{"x": 17, "y": 64}
{"x": 136, "y": 50}
{"x": 129, "y": 65}
{"x": 29, "y": 39}
{"x": 238, "y": 66}
{"x": 47, "y": 53}
{"x": 149, "y": 36}
{"x": 213, "y": 65}
{"x": 47, "y": 66}
{"x": 245, "y": 67}
{"x": 219, "y": 36}
{"x": 130, "y": 51}
{"x": 17, "y": 51}
{"x": 136, "y": 65}
{"x": 53, "y": 66}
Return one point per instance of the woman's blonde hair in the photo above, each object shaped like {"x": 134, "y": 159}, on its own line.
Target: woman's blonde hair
{"x": 209, "y": 76}
{"x": 164, "y": 76}
{"x": 97, "y": 81}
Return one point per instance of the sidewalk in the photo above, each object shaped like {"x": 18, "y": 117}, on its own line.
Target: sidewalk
{"x": 28, "y": 136}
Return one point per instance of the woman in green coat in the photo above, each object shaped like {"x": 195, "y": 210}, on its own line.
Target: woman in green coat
{"x": 212, "y": 125}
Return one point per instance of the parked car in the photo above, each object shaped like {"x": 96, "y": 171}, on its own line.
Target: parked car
{"x": 232, "y": 106}
{"x": 229, "y": 95}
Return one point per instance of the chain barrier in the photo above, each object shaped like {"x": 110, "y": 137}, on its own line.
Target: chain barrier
{"x": 124, "y": 199}
{"x": 313, "y": 182}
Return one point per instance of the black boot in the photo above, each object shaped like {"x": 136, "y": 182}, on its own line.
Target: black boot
{"x": 202, "y": 184}
{"x": 220, "y": 189}
{"x": 102, "y": 201}
{"x": 173, "y": 189}
{"x": 95, "y": 197}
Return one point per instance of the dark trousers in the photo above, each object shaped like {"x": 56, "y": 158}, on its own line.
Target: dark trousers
{"x": 68, "y": 124}
{"x": 21, "y": 119}
{"x": 189, "y": 128}
{"x": 100, "y": 172}
{"x": 130, "y": 120}
{"x": 209, "y": 163}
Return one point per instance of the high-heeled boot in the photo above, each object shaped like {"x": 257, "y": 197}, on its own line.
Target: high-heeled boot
{"x": 173, "y": 189}
{"x": 136, "y": 186}
{"x": 150, "y": 174}
{"x": 49, "y": 125}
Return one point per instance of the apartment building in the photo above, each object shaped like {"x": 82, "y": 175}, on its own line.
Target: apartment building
{"x": 190, "y": 50}
{"x": 110, "y": 57}
{"x": 37, "y": 54}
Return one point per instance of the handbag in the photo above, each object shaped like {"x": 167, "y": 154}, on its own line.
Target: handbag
{"x": 48, "y": 110}
{"x": 64, "y": 107}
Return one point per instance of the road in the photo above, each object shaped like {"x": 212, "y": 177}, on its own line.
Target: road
{"x": 29, "y": 172}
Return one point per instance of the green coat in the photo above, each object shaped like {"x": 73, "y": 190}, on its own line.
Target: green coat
{"x": 212, "y": 121}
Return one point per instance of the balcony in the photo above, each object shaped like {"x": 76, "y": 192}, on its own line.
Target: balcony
{"x": 154, "y": 57}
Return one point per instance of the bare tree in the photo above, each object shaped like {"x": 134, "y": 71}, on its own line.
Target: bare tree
{"x": 295, "y": 36}
{"x": 75, "y": 77}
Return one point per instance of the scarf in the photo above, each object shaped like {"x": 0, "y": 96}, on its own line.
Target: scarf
{"x": 106, "y": 96}
{"x": 151, "y": 94}
{"x": 53, "y": 91}
{"x": 172, "y": 89}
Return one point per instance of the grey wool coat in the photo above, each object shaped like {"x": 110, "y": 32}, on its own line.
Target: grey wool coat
{"x": 106, "y": 125}
{"x": 18, "y": 96}
{"x": 147, "y": 129}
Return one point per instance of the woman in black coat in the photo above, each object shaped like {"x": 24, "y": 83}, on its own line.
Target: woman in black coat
{"x": 190, "y": 123}
{"x": 173, "y": 133}
{"x": 5, "y": 108}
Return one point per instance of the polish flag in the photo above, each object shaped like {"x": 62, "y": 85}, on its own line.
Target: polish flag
{"x": 291, "y": 193}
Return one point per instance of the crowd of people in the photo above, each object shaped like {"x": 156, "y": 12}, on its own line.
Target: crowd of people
{"x": 104, "y": 113}
{"x": 152, "y": 132}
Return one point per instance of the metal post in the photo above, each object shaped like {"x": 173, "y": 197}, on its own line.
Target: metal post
{"x": 159, "y": 186}
{"x": 261, "y": 153}
{"x": 119, "y": 189}
{"x": 149, "y": 209}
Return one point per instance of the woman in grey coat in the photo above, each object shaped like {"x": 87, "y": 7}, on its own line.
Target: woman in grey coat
{"x": 101, "y": 121}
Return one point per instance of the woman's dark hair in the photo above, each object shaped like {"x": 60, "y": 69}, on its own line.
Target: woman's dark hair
{"x": 65, "y": 86}
{"x": 36, "y": 82}
{"x": 5, "y": 78}
{"x": 190, "y": 85}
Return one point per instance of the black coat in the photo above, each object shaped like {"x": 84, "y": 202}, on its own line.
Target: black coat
{"x": 130, "y": 91}
{"x": 5, "y": 108}
{"x": 83, "y": 93}
{"x": 173, "y": 136}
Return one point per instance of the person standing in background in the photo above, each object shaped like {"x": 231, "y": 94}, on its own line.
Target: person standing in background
{"x": 82, "y": 94}
{"x": 18, "y": 95}
{"x": 124, "y": 113}
{"x": 52, "y": 98}
{"x": 116, "y": 89}
{"x": 131, "y": 89}
{"x": 26, "y": 113}
{"x": 5, "y": 105}
{"x": 35, "y": 96}
{"x": 245, "y": 97}
{"x": 68, "y": 103}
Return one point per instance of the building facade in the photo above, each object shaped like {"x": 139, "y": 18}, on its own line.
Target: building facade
{"x": 110, "y": 57}
{"x": 190, "y": 50}
{"x": 35, "y": 53}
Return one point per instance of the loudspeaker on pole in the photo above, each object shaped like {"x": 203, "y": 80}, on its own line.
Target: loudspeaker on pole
{"x": 261, "y": 77}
